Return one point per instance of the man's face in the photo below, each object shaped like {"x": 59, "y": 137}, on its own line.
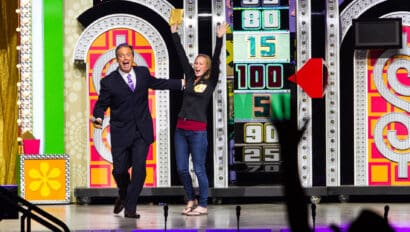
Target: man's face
{"x": 125, "y": 59}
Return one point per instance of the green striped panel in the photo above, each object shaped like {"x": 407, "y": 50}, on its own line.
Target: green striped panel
{"x": 53, "y": 76}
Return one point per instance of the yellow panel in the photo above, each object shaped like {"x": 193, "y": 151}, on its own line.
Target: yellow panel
{"x": 379, "y": 173}
{"x": 45, "y": 179}
{"x": 150, "y": 176}
{"x": 99, "y": 176}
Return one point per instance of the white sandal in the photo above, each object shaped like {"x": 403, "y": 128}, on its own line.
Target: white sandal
{"x": 187, "y": 210}
{"x": 189, "y": 207}
{"x": 198, "y": 211}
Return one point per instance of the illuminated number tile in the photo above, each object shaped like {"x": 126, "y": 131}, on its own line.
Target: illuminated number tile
{"x": 251, "y": 19}
{"x": 274, "y": 79}
{"x": 270, "y": 2}
{"x": 250, "y": 3}
{"x": 271, "y": 19}
{"x": 261, "y": 46}
{"x": 259, "y": 76}
{"x": 262, "y": 106}
{"x": 253, "y": 133}
{"x": 271, "y": 168}
{"x": 253, "y": 168}
{"x": 270, "y": 133}
{"x": 252, "y": 154}
{"x": 256, "y": 76}
{"x": 271, "y": 154}
{"x": 267, "y": 46}
{"x": 241, "y": 72}
{"x": 252, "y": 47}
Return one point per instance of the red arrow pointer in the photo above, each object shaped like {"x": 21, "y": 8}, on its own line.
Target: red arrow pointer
{"x": 312, "y": 77}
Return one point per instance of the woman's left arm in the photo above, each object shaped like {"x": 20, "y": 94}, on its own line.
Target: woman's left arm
{"x": 220, "y": 32}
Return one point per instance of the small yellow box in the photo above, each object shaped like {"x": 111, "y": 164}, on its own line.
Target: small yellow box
{"x": 45, "y": 178}
{"x": 176, "y": 16}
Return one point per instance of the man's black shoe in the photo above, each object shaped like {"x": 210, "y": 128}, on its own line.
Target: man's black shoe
{"x": 131, "y": 215}
{"x": 118, "y": 206}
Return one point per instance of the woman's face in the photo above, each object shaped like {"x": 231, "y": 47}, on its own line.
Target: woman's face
{"x": 200, "y": 66}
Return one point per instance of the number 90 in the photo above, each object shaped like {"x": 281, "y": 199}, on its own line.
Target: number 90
{"x": 260, "y": 133}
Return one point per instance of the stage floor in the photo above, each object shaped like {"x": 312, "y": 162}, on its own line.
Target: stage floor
{"x": 269, "y": 215}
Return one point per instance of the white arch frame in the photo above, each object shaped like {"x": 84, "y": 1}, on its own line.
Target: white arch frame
{"x": 161, "y": 71}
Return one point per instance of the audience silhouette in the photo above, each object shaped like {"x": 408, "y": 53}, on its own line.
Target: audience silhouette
{"x": 295, "y": 198}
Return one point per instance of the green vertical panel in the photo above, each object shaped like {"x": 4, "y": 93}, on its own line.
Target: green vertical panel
{"x": 53, "y": 76}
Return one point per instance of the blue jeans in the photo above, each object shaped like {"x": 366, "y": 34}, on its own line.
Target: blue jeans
{"x": 196, "y": 143}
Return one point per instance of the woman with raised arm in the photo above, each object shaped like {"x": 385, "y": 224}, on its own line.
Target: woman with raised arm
{"x": 191, "y": 129}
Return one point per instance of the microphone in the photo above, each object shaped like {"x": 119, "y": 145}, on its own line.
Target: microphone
{"x": 165, "y": 211}
{"x": 238, "y": 214}
{"x": 386, "y": 212}
{"x": 313, "y": 208}
{"x": 165, "y": 216}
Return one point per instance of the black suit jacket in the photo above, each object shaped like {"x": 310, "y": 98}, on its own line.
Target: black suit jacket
{"x": 129, "y": 110}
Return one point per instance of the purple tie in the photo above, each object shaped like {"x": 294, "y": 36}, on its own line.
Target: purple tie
{"x": 130, "y": 83}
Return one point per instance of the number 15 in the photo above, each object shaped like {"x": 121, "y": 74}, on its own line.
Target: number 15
{"x": 263, "y": 46}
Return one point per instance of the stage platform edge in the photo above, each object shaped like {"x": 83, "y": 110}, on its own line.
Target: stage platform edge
{"x": 343, "y": 193}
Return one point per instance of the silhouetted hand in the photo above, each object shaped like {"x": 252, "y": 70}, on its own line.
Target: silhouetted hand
{"x": 288, "y": 130}
{"x": 295, "y": 197}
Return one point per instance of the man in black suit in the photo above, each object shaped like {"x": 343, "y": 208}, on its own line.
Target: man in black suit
{"x": 125, "y": 92}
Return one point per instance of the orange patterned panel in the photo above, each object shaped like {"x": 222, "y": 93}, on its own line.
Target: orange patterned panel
{"x": 45, "y": 178}
{"x": 381, "y": 169}
{"x": 99, "y": 168}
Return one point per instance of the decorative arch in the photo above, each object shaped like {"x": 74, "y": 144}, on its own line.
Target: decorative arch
{"x": 351, "y": 128}
{"x": 354, "y": 10}
{"x": 378, "y": 73}
{"x": 159, "y": 175}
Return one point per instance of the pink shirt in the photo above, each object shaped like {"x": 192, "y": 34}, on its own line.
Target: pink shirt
{"x": 191, "y": 125}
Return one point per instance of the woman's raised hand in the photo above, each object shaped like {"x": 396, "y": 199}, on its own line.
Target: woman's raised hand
{"x": 174, "y": 28}
{"x": 221, "y": 29}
